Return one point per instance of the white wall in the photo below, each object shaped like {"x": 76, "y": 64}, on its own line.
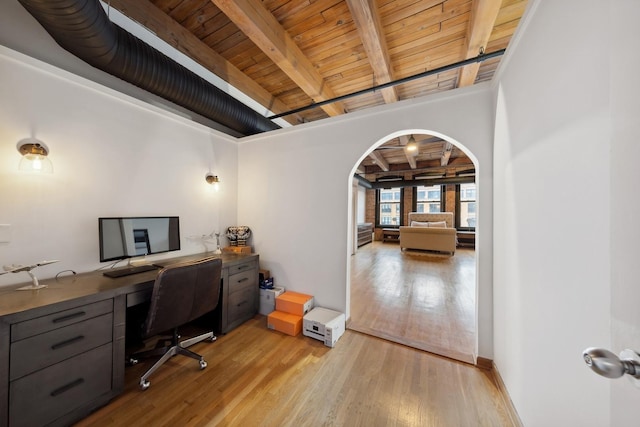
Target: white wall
{"x": 295, "y": 184}
{"x": 552, "y": 214}
{"x": 112, "y": 156}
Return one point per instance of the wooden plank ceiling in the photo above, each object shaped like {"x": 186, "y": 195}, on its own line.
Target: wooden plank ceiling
{"x": 288, "y": 54}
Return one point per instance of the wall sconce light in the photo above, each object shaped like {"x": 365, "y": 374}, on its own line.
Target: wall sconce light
{"x": 34, "y": 156}
{"x": 213, "y": 180}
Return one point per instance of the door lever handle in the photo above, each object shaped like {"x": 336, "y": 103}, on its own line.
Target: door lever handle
{"x": 607, "y": 364}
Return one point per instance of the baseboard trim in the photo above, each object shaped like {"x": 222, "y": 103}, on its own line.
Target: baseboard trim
{"x": 484, "y": 363}
{"x": 511, "y": 410}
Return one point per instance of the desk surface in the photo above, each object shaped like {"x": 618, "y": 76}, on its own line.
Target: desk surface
{"x": 64, "y": 290}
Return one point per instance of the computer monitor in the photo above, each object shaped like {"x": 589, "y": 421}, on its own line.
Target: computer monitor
{"x": 128, "y": 237}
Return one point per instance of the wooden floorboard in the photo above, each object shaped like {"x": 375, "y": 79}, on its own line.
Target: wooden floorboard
{"x": 259, "y": 377}
{"x": 416, "y": 298}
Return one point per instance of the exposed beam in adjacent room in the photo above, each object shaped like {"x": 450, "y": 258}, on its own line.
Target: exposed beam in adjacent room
{"x": 411, "y": 158}
{"x": 264, "y": 30}
{"x": 483, "y": 18}
{"x": 382, "y": 163}
{"x": 163, "y": 26}
{"x": 423, "y": 167}
{"x": 365, "y": 15}
{"x": 412, "y": 161}
{"x": 446, "y": 154}
{"x": 425, "y": 182}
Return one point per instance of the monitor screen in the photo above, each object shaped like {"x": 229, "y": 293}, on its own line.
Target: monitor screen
{"x": 129, "y": 237}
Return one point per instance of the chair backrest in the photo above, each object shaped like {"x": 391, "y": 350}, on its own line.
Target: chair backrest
{"x": 182, "y": 293}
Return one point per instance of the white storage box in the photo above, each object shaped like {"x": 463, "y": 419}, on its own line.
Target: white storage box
{"x": 324, "y": 325}
{"x": 268, "y": 299}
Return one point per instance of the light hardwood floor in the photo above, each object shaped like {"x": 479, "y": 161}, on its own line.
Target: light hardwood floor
{"x": 259, "y": 377}
{"x": 416, "y": 298}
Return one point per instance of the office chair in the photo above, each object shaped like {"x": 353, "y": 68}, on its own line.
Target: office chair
{"x": 181, "y": 293}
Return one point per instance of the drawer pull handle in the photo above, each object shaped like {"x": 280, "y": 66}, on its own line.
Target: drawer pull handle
{"x": 241, "y": 303}
{"x": 67, "y": 387}
{"x": 67, "y": 342}
{"x": 242, "y": 267}
{"x": 69, "y": 317}
{"x": 243, "y": 280}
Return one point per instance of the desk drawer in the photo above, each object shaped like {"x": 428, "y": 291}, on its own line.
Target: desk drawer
{"x": 241, "y": 267}
{"x": 239, "y": 281}
{"x": 42, "y": 350}
{"x": 242, "y": 304}
{"x": 46, "y": 395}
{"x": 60, "y": 319}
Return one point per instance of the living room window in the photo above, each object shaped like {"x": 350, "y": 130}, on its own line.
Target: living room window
{"x": 466, "y": 209}
{"x": 428, "y": 199}
{"x": 389, "y": 212}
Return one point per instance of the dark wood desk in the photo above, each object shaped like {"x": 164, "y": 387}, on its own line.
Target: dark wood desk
{"x": 62, "y": 348}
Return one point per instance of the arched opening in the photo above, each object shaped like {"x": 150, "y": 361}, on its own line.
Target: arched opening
{"x": 419, "y": 297}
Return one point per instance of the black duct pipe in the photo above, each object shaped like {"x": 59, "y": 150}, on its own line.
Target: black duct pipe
{"x": 363, "y": 181}
{"x": 84, "y": 29}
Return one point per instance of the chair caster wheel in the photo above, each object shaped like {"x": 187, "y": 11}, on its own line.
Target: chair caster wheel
{"x": 132, "y": 361}
{"x": 203, "y": 364}
{"x": 144, "y": 384}
{"x": 213, "y": 338}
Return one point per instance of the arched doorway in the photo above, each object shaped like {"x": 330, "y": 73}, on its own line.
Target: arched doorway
{"x": 423, "y": 299}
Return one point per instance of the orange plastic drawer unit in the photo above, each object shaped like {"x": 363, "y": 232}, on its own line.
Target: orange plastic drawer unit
{"x": 287, "y": 323}
{"x": 294, "y": 303}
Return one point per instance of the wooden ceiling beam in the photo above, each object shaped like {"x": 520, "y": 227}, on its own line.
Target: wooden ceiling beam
{"x": 259, "y": 25}
{"x": 380, "y": 160}
{"x": 151, "y": 17}
{"x": 446, "y": 154}
{"x": 423, "y": 167}
{"x": 367, "y": 20}
{"x": 483, "y": 18}
{"x": 411, "y": 157}
{"x": 411, "y": 160}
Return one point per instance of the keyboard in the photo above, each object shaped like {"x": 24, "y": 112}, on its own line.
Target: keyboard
{"x": 127, "y": 271}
